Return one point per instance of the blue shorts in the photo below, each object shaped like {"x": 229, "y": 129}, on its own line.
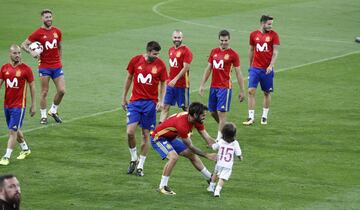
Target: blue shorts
{"x": 219, "y": 99}
{"x": 142, "y": 112}
{"x": 259, "y": 75}
{"x": 50, "y": 72}
{"x": 14, "y": 117}
{"x": 163, "y": 146}
{"x": 177, "y": 95}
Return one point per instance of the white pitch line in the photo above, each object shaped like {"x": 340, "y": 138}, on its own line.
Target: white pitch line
{"x": 155, "y": 9}
{"x": 114, "y": 110}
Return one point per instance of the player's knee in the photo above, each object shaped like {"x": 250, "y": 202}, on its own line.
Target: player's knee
{"x": 251, "y": 91}
{"x": 61, "y": 92}
{"x": 131, "y": 136}
{"x": 266, "y": 93}
{"x": 44, "y": 92}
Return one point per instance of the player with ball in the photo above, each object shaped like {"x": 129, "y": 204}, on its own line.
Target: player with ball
{"x": 44, "y": 44}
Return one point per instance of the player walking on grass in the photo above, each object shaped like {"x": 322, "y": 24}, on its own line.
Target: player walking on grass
{"x": 145, "y": 72}
{"x": 50, "y": 66}
{"x": 16, "y": 74}
{"x": 177, "y": 89}
{"x": 263, "y": 52}
{"x": 220, "y": 63}
{"x": 172, "y": 138}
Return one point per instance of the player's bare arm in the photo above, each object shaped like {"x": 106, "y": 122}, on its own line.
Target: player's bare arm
{"x": 32, "y": 95}
{"x": 251, "y": 55}
{"x": 188, "y": 143}
{"x": 205, "y": 78}
{"x": 1, "y": 82}
{"x": 179, "y": 75}
{"x": 160, "y": 104}
{"x": 240, "y": 80}
{"x": 208, "y": 139}
{"x": 127, "y": 86}
{"x": 273, "y": 59}
{"x": 25, "y": 46}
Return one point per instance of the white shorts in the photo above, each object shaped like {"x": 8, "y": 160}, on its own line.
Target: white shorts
{"x": 223, "y": 173}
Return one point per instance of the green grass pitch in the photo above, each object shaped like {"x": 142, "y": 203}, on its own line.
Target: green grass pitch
{"x": 307, "y": 157}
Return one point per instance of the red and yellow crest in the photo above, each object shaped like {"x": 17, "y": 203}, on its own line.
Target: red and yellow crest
{"x": 267, "y": 39}
{"x": 178, "y": 54}
{"x": 154, "y": 70}
{"x": 55, "y": 35}
{"x": 18, "y": 73}
{"x": 226, "y": 57}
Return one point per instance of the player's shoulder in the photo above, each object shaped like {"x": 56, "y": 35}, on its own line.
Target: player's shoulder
{"x": 186, "y": 48}
{"x": 273, "y": 32}
{"x": 5, "y": 65}
{"x": 254, "y": 32}
{"x": 56, "y": 29}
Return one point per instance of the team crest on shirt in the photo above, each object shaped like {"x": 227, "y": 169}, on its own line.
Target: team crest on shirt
{"x": 154, "y": 70}
{"x": 267, "y": 39}
{"x": 18, "y": 73}
{"x": 178, "y": 54}
{"x": 226, "y": 57}
{"x": 55, "y": 35}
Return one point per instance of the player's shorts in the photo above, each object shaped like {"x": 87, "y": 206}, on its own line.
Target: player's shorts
{"x": 219, "y": 99}
{"x": 14, "y": 117}
{"x": 222, "y": 172}
{"x": 259, "y": 75}
{"x": 142, "y": 112}
{"x": 163, "y": 146}
{"x": 51, "y": 72}
{"x": 177, "y": 95}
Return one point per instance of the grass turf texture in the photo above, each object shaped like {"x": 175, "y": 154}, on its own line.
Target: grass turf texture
{"x": 306, "y": 158}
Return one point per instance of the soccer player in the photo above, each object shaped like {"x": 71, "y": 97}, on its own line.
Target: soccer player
{"x": 16, "y": 74}
{"x": 172, "y": 138}
{"x": 227, "y": 148}
{"x": 220, "y": 63}
{"x": 50, "y": 66}
{"x": 263, "y": 51}
{"x": 177, "y": 89}
{"x": 10, "y": 193}
{"x": 146, "y": 72}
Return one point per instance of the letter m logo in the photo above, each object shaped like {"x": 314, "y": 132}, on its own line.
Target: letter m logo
{"x": 218, "y": 65}
{"x": 262, "y": 48}
{"x": 144, "y": 80}
{"x": 51, "y": 45}
{"x": 173, "y": 63}
{"x": 12, "y": 84}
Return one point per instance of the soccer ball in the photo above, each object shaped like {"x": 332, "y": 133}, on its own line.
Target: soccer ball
{"x": 36, "y": 47}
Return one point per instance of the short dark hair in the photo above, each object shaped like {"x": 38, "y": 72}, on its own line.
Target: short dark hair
{"x": 197, "y": 108}
{"x": 265, "y": 18}
{"x": 153, "y": 45}
{"x": 4, "y": 177}
{"x": 45, "y": 11}
{"x": 229, "y": 132}
{"x": 224, "y": 33}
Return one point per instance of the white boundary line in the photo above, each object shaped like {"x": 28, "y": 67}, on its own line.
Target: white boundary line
{"x": 117, "y": 109}
{"x": 155, "y": 9}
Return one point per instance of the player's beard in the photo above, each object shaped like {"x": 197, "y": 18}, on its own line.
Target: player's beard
{"x": 151, "y": 58}
{"x": 16, "y": 60}
{"x": 177, "y": 43}
{"x": 48, "y": 23}
{"x": 14, "y": 200}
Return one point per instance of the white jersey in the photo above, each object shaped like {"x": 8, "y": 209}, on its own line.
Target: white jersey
{"x": 226, "y": 152}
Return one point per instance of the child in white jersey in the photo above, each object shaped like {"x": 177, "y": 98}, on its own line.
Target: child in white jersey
{"x": 227, "y": 147}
